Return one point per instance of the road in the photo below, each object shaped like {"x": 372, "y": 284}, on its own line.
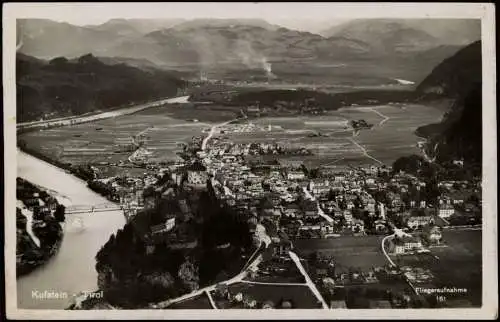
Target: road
{"x": 29, "y": 222}
{"x": 397, "y": 232}
{"x": 386, "y": 118}
{"x": 212, "y": 302}
{"x": 320, "y": 211}
{"x": 236, "y": 279}
{"x": 275, "y": 284}
{"x": 356, "y": 133}
{"x": 104, "y": 115}
{"x": 474, "y": 227}
{"x": 142, "y": 132}
{"x": 364, "y": 151}
{"x": 212, "y": 132}
{"x": 333, "y": 162}
{"x": 309, "y": 282}
{"x": 384, "y": 251}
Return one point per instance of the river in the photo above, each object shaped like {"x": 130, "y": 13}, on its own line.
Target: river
{"x": 72, "y": 269}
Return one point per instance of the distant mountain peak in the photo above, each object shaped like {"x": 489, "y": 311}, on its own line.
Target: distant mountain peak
{"x": 232, "y": 22}
{"x": 409, "y": 34}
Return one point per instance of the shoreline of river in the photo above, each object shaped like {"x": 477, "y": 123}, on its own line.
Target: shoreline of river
{"x": 75, "y": 255}
{"x": 65, "y": 167}
{"x": 26, "y": 268}
{"x": 32, "y": 258}
{"x": 77, "y": 302}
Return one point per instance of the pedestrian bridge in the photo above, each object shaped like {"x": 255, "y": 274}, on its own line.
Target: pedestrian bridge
{"x": 80, "y": 209}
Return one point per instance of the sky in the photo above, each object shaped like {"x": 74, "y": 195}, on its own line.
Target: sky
{"x": 308, "y": 15}
{"x": 96, "y": 13}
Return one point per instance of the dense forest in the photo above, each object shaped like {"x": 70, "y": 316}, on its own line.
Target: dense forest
{"x": 62, "y": 87}
{"x": 323, "y": 100}
{"x": 132, "y": 277}
{"x": 459, "y": 135}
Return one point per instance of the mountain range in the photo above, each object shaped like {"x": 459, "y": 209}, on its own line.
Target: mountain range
{"x": 402, "y": 35}
{"x": 62, "y": 87}
{"x": 250, "y": 43}
{"x": 459, "y": 134}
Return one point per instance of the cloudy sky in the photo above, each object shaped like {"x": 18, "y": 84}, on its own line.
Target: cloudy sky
{"x": 302, "y": 15}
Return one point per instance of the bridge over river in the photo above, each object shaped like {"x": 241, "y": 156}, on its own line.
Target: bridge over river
{"x": 75, "y": 222}
{"x": 102, "y": 207}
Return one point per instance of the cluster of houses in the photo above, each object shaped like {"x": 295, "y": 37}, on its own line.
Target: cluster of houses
{"x": 346, "y": 197}
{"x": 225, "y": 298}
{"x": 282, "y": 193}
{"x": 40, "y": 203}
{"x": 335, "y": 284}
{"x": 345, "y": 201}
{"x": 249, "y": 149}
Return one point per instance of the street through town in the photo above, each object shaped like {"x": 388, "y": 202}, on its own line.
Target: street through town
{"x": 320, "y": 211}
{"x": 309, "y": 282}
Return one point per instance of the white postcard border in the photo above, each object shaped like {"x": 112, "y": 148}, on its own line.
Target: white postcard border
{"x": 484, "y": 11}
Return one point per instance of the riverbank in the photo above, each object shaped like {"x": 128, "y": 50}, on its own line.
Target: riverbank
{"x": 80, "y": 172}
{"x": 96, "y": 115}
{"x": 27, "y": 266}
{"x": 39, "y": 233}
{"x": 76, "y": 254}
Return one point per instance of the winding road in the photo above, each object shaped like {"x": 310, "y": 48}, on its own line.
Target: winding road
{"x": 384, "y": 251}
{"x": 385, "y": 117}
{"x": 29, "y": 222}
{"x": 212, "y": 132}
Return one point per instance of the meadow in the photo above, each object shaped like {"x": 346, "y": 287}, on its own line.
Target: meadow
{"x": 165, "y": 128}
{"x": 332, "y": 141}
{"x": 362, "y": 252}
{"x": 98, "y": 142}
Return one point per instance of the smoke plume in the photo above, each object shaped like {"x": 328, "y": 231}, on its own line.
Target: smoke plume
{"x": 251, "y": 58}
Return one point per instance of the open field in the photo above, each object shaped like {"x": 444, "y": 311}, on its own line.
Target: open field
{"x": 165, "y": 127}
{"x": 397, "y": 132}
{"x": 98, "y": 142}
{"x": 391, "y": 137}
{"x": 458, "y": 265}
{"x": 211, "y": 113}
{"x": 363, "y": 252}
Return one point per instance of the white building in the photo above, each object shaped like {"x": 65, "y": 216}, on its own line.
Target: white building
{"x": 295, "y": 175}
{"x": 446, "y": 211}
{"x": 382, "y": 212}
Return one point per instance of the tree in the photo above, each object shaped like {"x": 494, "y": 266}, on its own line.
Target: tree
{"x": 59, "y": 213}
{"x": 410, "y": 164}
{"x": 266, "y": 203}
{"x": 188, "y": 273}
{"x": 37, "y": 213}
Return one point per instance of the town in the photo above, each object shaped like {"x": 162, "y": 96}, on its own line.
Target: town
{"x": 286, "y": 206}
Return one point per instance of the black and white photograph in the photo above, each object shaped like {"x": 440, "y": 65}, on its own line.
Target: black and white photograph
{"x": 213, "y": 160}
